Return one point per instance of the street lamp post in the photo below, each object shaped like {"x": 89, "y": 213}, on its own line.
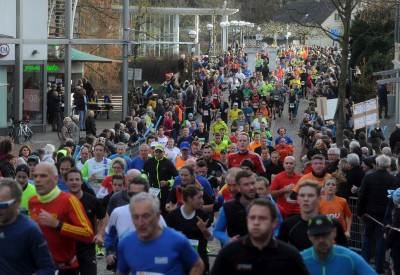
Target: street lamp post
{"x": 192, "y": 35}
{"x": 210, "y": 44}
{"x": 288, "y": 34}
{"x": 258, "y": 36}
{"x": 224, "y": 38}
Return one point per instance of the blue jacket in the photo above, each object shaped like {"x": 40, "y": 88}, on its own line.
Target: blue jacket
{"x": 341, "y": 261}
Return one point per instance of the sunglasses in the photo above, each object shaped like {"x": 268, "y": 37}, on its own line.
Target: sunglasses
{"x": 6, "y": 204}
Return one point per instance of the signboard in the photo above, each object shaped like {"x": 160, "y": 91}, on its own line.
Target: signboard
{"x": 322, "y": 107}
{"x": 365, "y": 113}
{"x": 32, "y": 100}
{"x": 137, "y": 74}
{"x": 4, "y": 50}
{"x": 130, "y": 74}
{"x": 331, "y": 105}
{"x": 259, "y": 37}
{"x": 36, "y": 68}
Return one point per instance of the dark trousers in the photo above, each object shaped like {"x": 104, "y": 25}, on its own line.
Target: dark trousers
{"x": 383, "y": 104}
{"x": 371, "y": 230}
{"x": 73, "y": 271}
{"x": 395, "y": 254}
{"x": 87, "y": 260}
{"x": 55, "y": 120}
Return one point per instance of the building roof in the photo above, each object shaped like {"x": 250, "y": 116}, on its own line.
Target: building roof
{"x": 308, "y": 12}
{"x": 181, "y": 11}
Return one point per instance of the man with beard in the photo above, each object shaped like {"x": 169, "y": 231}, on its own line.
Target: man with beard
{"x": 258, "y": 252}
{"x": 215, "y": 167}
{"x": 281, "y": 186}
{"x": 325, "y": 255}
{"x": 273, "y": 166}
{"x": 235, "y": 159}
{"x": 231, "y": 222}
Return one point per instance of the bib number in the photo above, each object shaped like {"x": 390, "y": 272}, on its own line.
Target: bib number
{"x": 291, "y": 105}
{"x": 194, "y": 244}
{"x": 154, "y": 191}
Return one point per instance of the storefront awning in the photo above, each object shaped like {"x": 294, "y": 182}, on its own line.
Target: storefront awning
{"x": 79, "y": 56}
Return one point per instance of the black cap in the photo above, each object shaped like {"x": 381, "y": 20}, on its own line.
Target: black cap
{"x": 23, "y": 168}
{"x": 320, "y": 225}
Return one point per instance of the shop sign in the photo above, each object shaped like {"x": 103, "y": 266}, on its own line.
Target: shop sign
{"x": 4, "y": 50}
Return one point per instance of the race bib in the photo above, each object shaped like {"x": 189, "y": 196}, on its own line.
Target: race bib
{"x": 303, "y": 82}
{"x": 194, "y": 244}
{"x": 255, "y": 105}
{"x": 276, "y": 97}
{"x": 205, "y": 113}
{"x": 291, "y": 105}
{"x": 154, "y": 191}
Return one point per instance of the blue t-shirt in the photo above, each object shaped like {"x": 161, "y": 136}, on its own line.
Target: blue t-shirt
{"x": 23, "y": 249}
{"x": 202, "y": 180}
{"x": 341, "y": 261}
{"x": 170, "y": 253}
{"x": 137, "y": 163}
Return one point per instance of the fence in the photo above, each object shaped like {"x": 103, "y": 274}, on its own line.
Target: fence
{"x": 356, "y": 226}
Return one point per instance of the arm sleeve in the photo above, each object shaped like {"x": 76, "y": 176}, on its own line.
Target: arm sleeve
{"x": 221, "y": 265}
{"x": 111, "y": 235}
{"x": 362, "y": 194}
{"x": 188, "y": 254}
{"x": 220, "y": 227}
{"x": 340, "y": 236}
{"x": 283, "y": 233}
{"x": 78, "y": 226}
{"x": 84, "y": 171}
{"x": 122, "y": 265}
{"x": 41, "y": 254}
{"x": 361, "y": 266}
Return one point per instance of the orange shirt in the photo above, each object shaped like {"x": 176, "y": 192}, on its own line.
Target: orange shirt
{"x": 284, "y": 151}
{"x": 337, "y": 209}
{"x": 254, "y": 145}
{"x": 310, "y": 176}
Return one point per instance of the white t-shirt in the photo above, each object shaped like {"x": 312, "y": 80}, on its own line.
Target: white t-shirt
{"x": 171, "y": 153}
{"x": 163, "y": 141}
{"x": 121, "y": 219}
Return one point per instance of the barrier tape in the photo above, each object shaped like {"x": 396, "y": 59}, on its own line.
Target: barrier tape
{"x": 381, "y": 224}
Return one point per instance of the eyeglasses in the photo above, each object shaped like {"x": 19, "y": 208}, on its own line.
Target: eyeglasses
{"x": 6, "y": 204}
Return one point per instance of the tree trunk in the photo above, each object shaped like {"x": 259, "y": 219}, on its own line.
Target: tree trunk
{"x": 340, "y": 115}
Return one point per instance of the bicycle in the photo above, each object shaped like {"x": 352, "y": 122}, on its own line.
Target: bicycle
{"x": 20, "y": 132}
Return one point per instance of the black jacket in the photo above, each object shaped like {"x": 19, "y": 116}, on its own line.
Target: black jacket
{"x": 53, "y": 103}
{"x": 372, "y": 195}
{"x": 90, "y": 126}
{"x": 241, "y": 257}
{"x": 235, "y": 212}
{"x": 354, "y": 176}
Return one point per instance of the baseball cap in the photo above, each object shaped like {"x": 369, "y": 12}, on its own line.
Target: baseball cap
{"x": 23, "y": 168}
{"x": 395, "y": 195}
{"x": 235, "y": 104}
{"x": 185, "y": 145}
{"x": 154, "y": 144}
{"x": 159, "y": 147}
{"x": 320, "y": 225}
{"x": 33, "y": 158}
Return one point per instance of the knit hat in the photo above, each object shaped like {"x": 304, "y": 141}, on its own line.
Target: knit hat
{"x": 23, "y": 168}
{"x": 394, "y": 195}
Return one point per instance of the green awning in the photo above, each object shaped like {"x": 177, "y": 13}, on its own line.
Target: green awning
{"x": 79, "y": 56}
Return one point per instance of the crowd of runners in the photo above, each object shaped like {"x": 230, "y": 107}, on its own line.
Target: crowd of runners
{"x": 196, "y": 160}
